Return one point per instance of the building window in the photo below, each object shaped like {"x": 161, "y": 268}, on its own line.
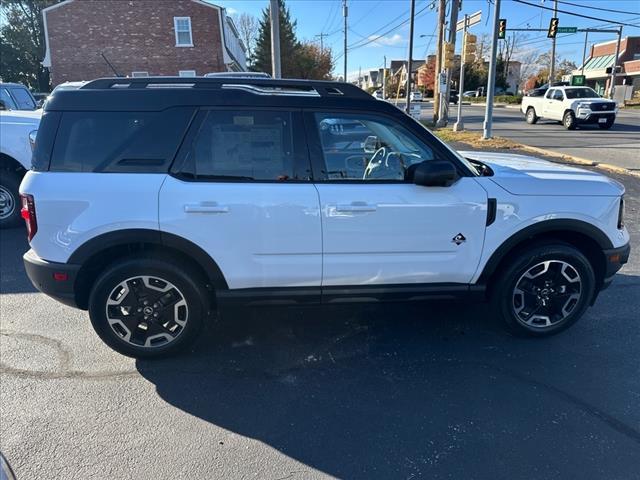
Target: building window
{"x": 182, "y": 27}
{"x": 187, "y": 73}
{"x": 139, "y": 74}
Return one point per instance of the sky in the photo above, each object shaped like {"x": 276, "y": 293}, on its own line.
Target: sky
{"x": 369, "y": 19}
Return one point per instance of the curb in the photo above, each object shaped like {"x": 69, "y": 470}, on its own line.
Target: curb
{"x": 580, "y": 161}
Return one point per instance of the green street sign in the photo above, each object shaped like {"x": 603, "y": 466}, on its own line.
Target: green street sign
{"x": 567, "y": 29}
{"x": 577, "y": 80}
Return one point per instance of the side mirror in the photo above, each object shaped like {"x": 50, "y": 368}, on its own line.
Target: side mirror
{"x": 370, "y": 144}
{"x": 435, "y": 173}
{"x": 2, "y": 106}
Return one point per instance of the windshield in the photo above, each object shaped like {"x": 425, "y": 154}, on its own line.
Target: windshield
{"x": 584, "y": 92}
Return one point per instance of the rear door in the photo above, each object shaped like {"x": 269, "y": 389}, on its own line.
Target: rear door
{"x": 240, "y": 190}
{"x": 378, "y": 227}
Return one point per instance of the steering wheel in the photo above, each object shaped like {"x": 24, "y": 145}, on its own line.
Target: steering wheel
{"x": 373, "y": 162}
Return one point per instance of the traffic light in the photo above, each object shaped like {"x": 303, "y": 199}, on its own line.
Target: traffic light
{"x": 470, "y": 48}
{"x": 502, "y": 28}
{"x": 448, "y": 55}
{"x": 553, "y": 28}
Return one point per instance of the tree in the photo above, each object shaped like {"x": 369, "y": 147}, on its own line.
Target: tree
{"x": 313, "y": 63}
{"x": 248, "y": 27}
{"x": 289, "y": 44}
{"x": 22, "y": 45}
{"x": 528, "y": 68}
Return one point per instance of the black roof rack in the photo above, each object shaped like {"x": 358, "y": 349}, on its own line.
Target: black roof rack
{"x": 257, "y": 86}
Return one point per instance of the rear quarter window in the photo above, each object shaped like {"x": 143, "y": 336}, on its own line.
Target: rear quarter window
{"x": 119, "y": 142}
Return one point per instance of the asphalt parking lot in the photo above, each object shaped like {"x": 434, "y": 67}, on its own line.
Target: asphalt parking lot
{"x": 398, "y": 391}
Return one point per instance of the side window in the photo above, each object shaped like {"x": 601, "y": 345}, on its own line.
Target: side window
{"x": 368, "y": 147}
{"x": 551, "y": 93}
{"x": 558, "y": 95}
{"x": 23, "y": 99}
{"x": 119, "y": 141}
{"x": 9, "y": 104}
{"x": 243, "y": 145}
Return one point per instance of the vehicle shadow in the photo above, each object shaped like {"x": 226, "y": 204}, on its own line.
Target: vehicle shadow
{"x": 13, "y": 244}
{"x": 404, "y": 391}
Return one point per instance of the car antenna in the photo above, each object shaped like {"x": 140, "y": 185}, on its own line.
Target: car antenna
{"x": 110, "y": 65}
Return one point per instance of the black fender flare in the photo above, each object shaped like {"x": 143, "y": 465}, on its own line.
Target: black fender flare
{"x": 154, "y": 237}
{"x": 544, "y": 227}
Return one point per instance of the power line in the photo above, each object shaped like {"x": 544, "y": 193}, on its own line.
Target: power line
{"x": 597, "y": 8}
{"x": 574, "y": 14}
{"x": 382, "y": 27}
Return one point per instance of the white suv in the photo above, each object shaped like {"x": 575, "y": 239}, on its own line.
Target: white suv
{"x": 153, "y": 202}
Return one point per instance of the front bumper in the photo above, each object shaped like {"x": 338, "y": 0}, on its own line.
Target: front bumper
{"x": 615, "y": 258}
{"x": 54, "y": 279}
{"x": 589, "y": 116}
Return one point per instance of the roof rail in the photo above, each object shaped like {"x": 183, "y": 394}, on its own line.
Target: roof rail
{"x": 256, "y": 86}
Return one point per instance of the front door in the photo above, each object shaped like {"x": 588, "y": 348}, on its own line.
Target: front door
{"x": 377, "y": 227}
{"x": 242, "y": 194}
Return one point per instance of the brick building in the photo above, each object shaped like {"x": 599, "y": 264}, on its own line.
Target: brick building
{"x": 139, "y": 38}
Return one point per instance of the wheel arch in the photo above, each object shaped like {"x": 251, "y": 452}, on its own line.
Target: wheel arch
{"x": 105, "y": 249}
{"x": 587, "y": 238}
{"x": 7, "y": 162}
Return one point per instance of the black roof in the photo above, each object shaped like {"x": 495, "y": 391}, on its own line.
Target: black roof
{"x": 159, "y": 93}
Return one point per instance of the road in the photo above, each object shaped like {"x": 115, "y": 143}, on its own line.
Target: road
{"x": 422, "y": 391}
{"x": 619, "y": 146}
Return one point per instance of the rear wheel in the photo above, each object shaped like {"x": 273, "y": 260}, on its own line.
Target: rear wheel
{"x": 544, "y": 290}
{"x": 531, "y": 116}
{"x": 147, "y": 307}
{"x": 569, "y": 120}
{"x": 9, "y": 199}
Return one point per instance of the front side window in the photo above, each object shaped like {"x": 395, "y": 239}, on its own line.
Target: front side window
{"x": 244, "y": 146}
{"x": 182, "y": 26}
{"x": 557, "y": 95}
{"x": 367, "y": 147}
{"x": 23, "y": 99}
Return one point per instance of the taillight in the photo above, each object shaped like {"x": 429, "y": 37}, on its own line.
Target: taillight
{"x": 28, "y": 212}
{"x": 621, "y": 214}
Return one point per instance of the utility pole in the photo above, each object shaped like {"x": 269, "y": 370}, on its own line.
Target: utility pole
{"x": 459, "y": 125}
{"x": 552, "y": 67}
{"x": 409, "y": 60}
{"x": 345, "y": 13}
{"x": 444, "y": 111}
{"x": 491, "y": 84}
{"x": 612, "y": 88}
{"x": 584, "y": 52}
{"x": 384, "y": 79}
{"x": 274, "y": 11}
{"x": 436, "y": 87}
{"x": 322, "y": 35}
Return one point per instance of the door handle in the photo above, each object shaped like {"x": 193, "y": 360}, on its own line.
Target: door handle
{"x": 205, "y": 208}
{"x": 356, "y": 207}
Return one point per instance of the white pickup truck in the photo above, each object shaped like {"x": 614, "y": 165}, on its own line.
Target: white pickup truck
{"x": 572, "y": 106}
{"x": 17, "y": 133}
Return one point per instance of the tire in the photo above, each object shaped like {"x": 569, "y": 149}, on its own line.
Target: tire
{"x": 606, "y": 126}
{"x": 522, "y": 296}
{"x": 117, "y": 307}
{"x": 531, "y": 117}
{"x": 569, "y": 120}
{"x": 9, "y": 199}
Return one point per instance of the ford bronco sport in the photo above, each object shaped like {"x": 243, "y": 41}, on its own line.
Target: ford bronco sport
{"x": 154, "y": 201}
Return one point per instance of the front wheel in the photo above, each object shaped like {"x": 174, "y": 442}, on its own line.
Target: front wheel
{"x": 147, "y": 307}
{"x": 544, "y": 290}
{"x": 569, "y": 120}
{"x": 9, "y": 199}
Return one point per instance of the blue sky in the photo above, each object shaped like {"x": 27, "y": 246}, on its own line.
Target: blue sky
{"x": 367, "y": 17}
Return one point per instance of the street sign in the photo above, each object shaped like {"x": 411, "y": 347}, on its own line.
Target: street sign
{"x": 577, "y": 80}
{"x": 473, "y": 19}
{"x": 567, "y": 29}
{"x": 442, "y": 80}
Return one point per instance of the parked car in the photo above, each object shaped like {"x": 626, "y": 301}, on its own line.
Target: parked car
{"x": 453, "y": 97}
{"x": 15, "y": 96}
{"x": 572, "y": 106}
{"x": 17, "y": 133}
{"x": 470, "y": 94}
{"x": 283, "y": 192}
{"x": 378, "y": 94}
{"x": 536, "y": 92}
{"x": 415, "y": 96}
